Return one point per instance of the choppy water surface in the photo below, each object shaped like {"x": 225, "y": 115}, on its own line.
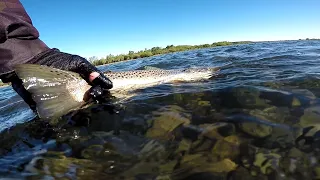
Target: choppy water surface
{"x": 259, "y": 119}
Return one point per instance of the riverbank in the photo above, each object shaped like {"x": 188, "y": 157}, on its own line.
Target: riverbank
{"x": 159, "y": 51}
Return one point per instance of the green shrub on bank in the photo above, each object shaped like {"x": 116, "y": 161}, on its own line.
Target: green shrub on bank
{"x": 158, "y": 50}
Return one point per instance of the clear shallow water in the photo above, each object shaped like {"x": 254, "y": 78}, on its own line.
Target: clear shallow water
{"x": 259, "y": 119}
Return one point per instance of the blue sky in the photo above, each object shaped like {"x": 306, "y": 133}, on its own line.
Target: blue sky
{"x": 101, "y": 27}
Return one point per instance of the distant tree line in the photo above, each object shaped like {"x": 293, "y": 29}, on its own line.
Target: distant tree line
{"x": 309, "y": 39}
{"x": 157, "y": 51}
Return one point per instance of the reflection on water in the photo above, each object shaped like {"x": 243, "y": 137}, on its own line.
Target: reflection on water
{"x": 258, "y": 120}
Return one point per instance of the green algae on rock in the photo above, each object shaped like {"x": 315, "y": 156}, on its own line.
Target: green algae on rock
{"x": 166, "y": 120}
{"x": 267, "y": 161}
{"x": 272, "y": 114}
{"x": 199, "y": 163}
{"x": 311, "y": 116}
{"x": 255, "y": 129}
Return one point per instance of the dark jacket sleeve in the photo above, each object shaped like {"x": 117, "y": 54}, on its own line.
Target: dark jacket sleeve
{"x": 19, "y": 39}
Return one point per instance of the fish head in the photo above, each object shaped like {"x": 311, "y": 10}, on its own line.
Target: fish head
{"x": 194, "y": 74}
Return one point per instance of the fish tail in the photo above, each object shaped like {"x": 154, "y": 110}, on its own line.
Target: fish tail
{"x": 50, "y": 89}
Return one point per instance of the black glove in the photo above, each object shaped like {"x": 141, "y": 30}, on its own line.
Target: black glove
{"x": 56, "y": 59}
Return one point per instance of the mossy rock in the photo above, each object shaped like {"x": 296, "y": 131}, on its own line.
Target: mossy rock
{"x": 249, "y": 97}
{"x": 229, "y": 147}
{"x": 198, "y": 163}
{"x": 295, "y": 102}
{"x": 217, "y": 130}
{"x": 267, "y": 162}
{"x": 255, "y": 129}
{"x": 272, "y": 114}
{"x": 310, "y": 117}
{"x": 92, "y": 151}
{"x": 66, "y": 168}
{"x": 166, "y": 120}
{"x": 153, "y": 151}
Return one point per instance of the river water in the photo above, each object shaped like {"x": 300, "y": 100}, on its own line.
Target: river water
{"x": 258, "y": 119}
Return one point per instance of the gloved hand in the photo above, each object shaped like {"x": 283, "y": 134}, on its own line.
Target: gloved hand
{"x": 55, "y": 58}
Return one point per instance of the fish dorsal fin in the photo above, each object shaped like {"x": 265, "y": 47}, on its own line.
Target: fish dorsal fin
{"x": 55, "y": 91}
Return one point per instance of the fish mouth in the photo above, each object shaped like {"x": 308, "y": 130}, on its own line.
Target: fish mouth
{"x": 213, "y": 72}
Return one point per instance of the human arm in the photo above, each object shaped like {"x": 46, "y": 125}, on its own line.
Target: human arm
{"x": 20, "y": 44}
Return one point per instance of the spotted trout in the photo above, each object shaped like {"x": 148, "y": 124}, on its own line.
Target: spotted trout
{"x": 57, "y": 91}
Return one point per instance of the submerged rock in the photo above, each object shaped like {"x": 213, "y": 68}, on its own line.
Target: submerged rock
{"x": 217, "y": 130}
{"x": 249, "y": 97}
{"x": 199, "y": 163}
{"x": 229, "y": 147}
{"x": 59, "y": 168}
{"x": 255, "y": 129}
{"x": 272, "y": 114}
{"x": 267, "y": 162}
{"x": 165, "y": 121}
{"x": 310, "y": 117}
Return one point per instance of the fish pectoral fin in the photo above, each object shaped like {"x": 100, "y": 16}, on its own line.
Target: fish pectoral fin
{"x": 49, "y": 89}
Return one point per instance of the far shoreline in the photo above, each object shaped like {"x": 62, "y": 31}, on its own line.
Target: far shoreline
{"x": 156, "y": 51}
